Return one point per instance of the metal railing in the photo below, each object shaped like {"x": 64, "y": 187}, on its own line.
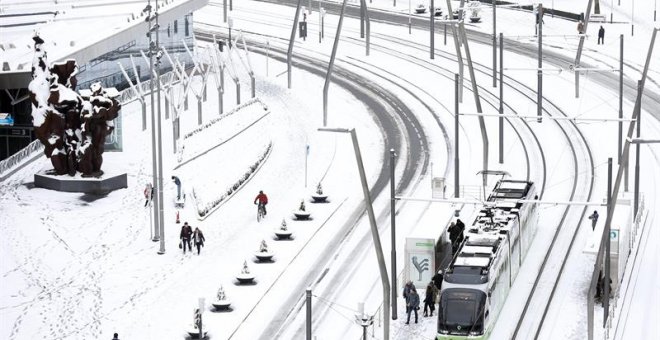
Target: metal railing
{"x": 18, "y": 158}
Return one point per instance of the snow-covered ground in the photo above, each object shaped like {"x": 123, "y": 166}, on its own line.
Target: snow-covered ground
{"x": 82, "y": 267}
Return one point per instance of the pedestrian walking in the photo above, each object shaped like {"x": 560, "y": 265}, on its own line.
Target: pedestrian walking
{"x": 594, "y": 218}
{"x": 580, "y": 27}
{"x": 198, "y": 238}
{"x": 412, "y": 304}
{"x": 406, "y": 289}
{"x": 177, "y": 182}
{"x": 115, "y": 336}
{"x": 429, "y": 299}
{"x": 186, "y": 232}
{"x": 148, "y": 194}
{"x": 601, "y": 35}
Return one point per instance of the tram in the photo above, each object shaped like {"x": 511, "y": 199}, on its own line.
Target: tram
{"x": 477, "y": 281}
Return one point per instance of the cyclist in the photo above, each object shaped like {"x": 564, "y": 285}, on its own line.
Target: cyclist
{"x": 263, "y": 200}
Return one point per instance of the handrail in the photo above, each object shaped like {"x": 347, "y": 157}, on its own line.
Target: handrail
{"x": 12, "y": 161}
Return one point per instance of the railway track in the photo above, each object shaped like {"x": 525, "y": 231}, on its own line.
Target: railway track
{"x": 565, "y": 127}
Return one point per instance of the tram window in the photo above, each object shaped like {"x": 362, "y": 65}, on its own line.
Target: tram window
{"x": 187, "y": 32}
{"x": 176, "y": 26}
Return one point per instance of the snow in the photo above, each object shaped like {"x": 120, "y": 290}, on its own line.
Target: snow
{"x": 81, "y": 267}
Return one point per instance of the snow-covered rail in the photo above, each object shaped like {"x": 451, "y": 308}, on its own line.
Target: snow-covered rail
{"x": 18, "y": 160}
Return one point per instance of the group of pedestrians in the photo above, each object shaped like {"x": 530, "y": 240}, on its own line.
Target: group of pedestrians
{"x": 411, "y": 297}
{"x": 187, "y": 236}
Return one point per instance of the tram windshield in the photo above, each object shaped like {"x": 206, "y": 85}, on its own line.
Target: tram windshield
{"x": 461, "y": 311}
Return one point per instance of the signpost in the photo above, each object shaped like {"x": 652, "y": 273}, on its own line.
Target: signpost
{"x": 420, "y": 261}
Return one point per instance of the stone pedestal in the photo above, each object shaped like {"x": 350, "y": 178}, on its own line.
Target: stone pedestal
{"x": 90, "y": 185}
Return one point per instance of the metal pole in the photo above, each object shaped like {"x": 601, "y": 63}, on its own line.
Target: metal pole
{"x": 632, "y": 19}
{"x": 432, "y": 29}
{"x": 409, "y": 19}
{"x": 153, "y": 135}
{"x": 306, "y": 153}
{"x": 224, "y": 10}
{"x": 459, "y": 55}
{"x": 368, "y": 24}
{"x": 199, "y": 111}
{"x": 331, "y": 64}
{"x": 579, "y": 51}
{"x": 620, "y": 145}
{"x": 231, "y": 5}
{"x": 477, "y": 100}
{"x": 252, "y": 84}
{"x": 161, "y": 217}
{"x": 494, "y": 45}
{"x": 308, "y": 320}
{"x": 290, "y": 50}
{"x": 606, "y": 278}
{"x": 539, "y": 72}
{"x": 267, "y": 56}
{"x": 393, "y": 227}
{"x": 374, "y": 233}
{"x": 501, "y": 120}
{"x": 222, "y": 85}
{"x": 456, "y": 129}
{"x": 238, "y": 91}
{"x": 637, "y": 148}
{"x": 362, "y": 4}
{"x": 445, "y": 34}
{"x": 320, "y": 20}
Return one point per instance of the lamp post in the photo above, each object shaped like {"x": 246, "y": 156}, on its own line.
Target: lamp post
{"x": 156, "y": 234}
{"x": 230, "y": 23}
{"x": 409, "y": 19}
{"x": 374, "y": 229}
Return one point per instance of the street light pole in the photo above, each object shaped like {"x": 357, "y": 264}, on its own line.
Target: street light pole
{"x": 374, "y": 229}
{"x": 156, "y": 200}
{"x": 393, "y": 227}
{"x": 160, "y": 146}
{"x": 494, "y": 46}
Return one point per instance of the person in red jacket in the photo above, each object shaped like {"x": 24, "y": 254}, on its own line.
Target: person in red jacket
{"x": 262, "y": 199}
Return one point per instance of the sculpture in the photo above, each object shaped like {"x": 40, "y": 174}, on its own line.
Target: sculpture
{"x": 72, "y": 129}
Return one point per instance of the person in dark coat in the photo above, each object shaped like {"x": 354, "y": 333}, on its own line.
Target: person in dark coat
{"x": 406, "y": 289}
{"x": 594, "y": 218}
{"x": 601, "y": 35}
{"x": 437, "y": 280}
{"x": 115, "y": 336}
{"x": 453, "y": 236}
{"x": 412, "y": 304}
{"x": 186, "y": 232}
{"x": 198, "y": 238}
{"x": 429, "y": 299}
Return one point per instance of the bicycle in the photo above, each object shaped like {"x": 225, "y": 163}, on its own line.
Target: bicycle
{"x": 261, "y": 211}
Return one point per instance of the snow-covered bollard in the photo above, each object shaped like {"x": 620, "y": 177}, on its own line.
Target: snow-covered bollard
{"x": 264, "y": 254}
{"x": 245, "y": 277}
{"x": 193, "y": 329}
{"x": 301, "y": 213}
{"x": 282, "y": 232}
{"x": 318, "y": 196}
{"x": 221, "y": 302}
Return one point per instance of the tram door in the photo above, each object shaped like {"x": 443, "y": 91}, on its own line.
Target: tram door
{"x": 443, "y": 253}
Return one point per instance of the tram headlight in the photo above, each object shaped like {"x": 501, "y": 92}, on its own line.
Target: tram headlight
{"x": 474, "y": 333}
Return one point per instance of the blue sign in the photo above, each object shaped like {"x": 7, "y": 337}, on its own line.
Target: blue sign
{"x": 6, "y": 119}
